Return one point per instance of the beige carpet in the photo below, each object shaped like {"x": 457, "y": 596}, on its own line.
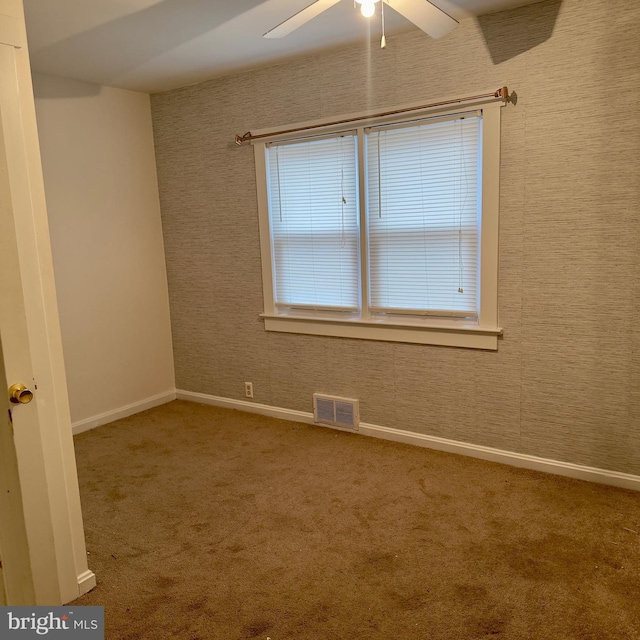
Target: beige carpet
{"x": 207, "y": 523}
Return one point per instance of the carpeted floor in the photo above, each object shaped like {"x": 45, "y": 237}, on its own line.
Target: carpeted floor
{"x": 206, "y": 523}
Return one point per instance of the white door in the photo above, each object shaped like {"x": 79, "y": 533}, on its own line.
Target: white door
{"x": 41, "y": 534}
{"x": 14, "y": 552}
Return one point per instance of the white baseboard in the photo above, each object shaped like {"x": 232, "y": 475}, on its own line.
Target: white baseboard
{"x": 86, "y": 582}
{"x": 580, "y": 472}
{"x": 249, "y": 407}
{"x": 123, "y": 412}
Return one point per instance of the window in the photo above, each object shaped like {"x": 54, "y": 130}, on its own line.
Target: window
{"x": 422, "y": 217}
{"x": 386, "y": 231}
{"x": 313, "y": 207}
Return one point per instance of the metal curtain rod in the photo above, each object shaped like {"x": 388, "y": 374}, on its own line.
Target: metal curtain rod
{"x": 503, "y": 93}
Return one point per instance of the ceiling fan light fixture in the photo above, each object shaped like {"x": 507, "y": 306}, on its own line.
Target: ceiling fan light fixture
{"x": 424, "y": 14}
{"x": 367, "y": 7}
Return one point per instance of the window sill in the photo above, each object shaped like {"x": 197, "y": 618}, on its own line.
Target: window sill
{"x": 469, "y": 336}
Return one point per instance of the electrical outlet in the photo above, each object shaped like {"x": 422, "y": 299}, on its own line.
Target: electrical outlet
{"x": 248, "y": 389}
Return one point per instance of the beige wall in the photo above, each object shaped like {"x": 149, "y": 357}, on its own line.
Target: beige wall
{"x": 102, "y": 199}
{"x": 565, "y": 382}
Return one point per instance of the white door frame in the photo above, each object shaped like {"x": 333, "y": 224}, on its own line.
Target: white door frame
{"x": 31, "y": 341}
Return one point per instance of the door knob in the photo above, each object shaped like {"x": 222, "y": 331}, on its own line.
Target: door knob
{"x": 19, "y": 394}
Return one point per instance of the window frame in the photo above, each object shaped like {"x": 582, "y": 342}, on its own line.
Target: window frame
{"x": 482, "y": 333}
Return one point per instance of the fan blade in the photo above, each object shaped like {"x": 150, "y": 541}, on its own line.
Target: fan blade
{"x": 300, "y": 18}
{"x": 426, "y": 16}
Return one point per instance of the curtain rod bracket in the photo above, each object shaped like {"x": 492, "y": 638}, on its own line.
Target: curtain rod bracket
{"x": 502, "y": 93}
{"x": 244, "y": 138}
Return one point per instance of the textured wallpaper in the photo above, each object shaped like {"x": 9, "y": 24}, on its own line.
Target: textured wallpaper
{"x": 565, "y": 381}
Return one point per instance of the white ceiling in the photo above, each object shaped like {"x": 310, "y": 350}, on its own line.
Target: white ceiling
{"x": 155, "y": 45}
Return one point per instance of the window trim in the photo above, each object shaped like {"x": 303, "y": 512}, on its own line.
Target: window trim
{"x": 481, "y": 334}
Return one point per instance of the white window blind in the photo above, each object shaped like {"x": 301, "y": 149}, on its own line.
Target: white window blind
{"x": 313, "y": 204}
{"x": 423, "y": 209}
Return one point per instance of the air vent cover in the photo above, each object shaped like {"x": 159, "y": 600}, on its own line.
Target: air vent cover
{"x": 335, "y": 411}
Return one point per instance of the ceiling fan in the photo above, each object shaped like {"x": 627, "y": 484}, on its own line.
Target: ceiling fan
{"x": 424, "y": 14}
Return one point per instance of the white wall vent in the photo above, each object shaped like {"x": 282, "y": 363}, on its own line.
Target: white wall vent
{"x": 337, "y": 412}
